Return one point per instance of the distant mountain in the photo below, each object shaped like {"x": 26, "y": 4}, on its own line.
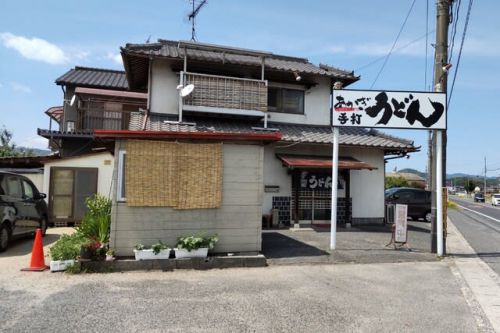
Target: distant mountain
{"x": 35, "y": 151}
{"x": 448, "y": 176}
{"x": 416, "y": 172}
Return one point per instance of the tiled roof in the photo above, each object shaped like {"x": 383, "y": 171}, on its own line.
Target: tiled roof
{"x": 349, "y": 136}
{"x": 94, "y": 78}
{"x": 223, "y": 54}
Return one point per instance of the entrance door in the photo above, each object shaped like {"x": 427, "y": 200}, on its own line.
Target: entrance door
{"x": 69, "y": 187}
{"x": 314, "y": 206}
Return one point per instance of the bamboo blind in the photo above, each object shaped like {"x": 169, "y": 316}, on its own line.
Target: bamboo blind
{"x": 200, "y": 175}
{"x": 168, "y": 174}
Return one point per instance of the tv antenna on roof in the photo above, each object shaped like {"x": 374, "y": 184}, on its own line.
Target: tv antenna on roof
{"x": 197, "y": 4}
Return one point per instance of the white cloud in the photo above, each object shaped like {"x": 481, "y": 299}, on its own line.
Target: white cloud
{"x": 35, "y": 48}
{"x": 16, "y": 86}
{"x": 34, "y": 142}
{"x": 116, "y": 57}
{"x": 478, "y": 47}
{"x": 337, "y": 49}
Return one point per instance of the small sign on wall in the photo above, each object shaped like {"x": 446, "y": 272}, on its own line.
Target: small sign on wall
{"x": 319, "y": 181}
{"x": 271, "y": 188}
{"x": 401, "y": 222}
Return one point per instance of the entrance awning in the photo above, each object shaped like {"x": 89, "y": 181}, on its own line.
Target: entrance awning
{"x": 320, "y": 162}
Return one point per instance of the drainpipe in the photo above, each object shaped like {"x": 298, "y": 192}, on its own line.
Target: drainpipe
{"x": 262, "y": 68}
{"x": 150, "y": 88}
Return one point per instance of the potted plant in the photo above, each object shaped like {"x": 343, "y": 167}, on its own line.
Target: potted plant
{"x": 195, "y": 246}
{"x": 64, "y": 252}
{"x": 90, "y": 250}
{"x": 156, "y": 251}
{"x": 110, "y": 254}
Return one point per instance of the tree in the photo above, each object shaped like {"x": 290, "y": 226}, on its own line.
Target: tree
{"x": 8, "y": 148}
{"x": 395, "y": 182}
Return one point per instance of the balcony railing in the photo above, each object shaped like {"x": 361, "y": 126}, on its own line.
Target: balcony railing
{"x": 102, "y": 119}
{"x": 213, "y": 91}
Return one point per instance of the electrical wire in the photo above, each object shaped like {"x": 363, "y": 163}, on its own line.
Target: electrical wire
{"x": 460, "y": 50}
{"x": 394, "y": 51}
{"x": 454, "y": 18}
{"x": 393, "y": 44}
{"x": 426, "y": 41}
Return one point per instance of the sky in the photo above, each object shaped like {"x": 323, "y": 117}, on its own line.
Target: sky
{"x": 41, "y": 40}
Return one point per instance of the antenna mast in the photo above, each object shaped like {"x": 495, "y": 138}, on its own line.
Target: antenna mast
{"x": 192, "y": 16}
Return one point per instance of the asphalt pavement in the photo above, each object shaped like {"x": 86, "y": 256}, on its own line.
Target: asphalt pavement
{"x": 479, "y": 223}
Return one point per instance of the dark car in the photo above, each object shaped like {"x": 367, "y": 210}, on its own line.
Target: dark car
{"x": 479, "y": 197}
{"x": 22, "y": 208}
{"x": 418, "y": 201}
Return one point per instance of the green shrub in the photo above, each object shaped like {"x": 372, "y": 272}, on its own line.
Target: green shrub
{"x": 195, "y": 242}
{"x": 67, "y": 247}
{"x": 96, "y": 223}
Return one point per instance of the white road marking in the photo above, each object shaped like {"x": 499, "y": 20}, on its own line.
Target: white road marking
{"x": 484, "y": 215}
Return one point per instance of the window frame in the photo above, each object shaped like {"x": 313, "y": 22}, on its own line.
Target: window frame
{"x": 281, "y": 92}
{"x": 120, "y": 186}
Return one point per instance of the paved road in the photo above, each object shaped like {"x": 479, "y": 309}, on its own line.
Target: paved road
{"x": 390, "y": 297}
{"x": 479, "y": 223}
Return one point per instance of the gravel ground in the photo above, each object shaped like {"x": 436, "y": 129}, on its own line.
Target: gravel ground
{"x": 389, "y": 297}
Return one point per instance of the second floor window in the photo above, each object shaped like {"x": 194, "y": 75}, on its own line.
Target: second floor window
{"x": 285, "y": 100}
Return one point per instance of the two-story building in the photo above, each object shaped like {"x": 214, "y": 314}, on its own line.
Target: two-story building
{"x": 230, "y": 135}
{"x": 92, "y": 99}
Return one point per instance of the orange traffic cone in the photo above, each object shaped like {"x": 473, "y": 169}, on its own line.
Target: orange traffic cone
{"x": 37, "y": 258}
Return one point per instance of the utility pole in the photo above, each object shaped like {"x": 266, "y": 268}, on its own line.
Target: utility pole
{"x": 485, "y": 170}
{"x": 440, "y": 81}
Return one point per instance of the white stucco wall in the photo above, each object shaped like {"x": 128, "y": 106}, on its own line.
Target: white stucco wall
{"x": 164, "y": 95}
{"x": 103, "y": 161}
{"x": 316, "y": 106}
{"x": 367, "y": 187}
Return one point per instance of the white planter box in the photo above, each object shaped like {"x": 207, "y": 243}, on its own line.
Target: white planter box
{"x": 60, "y": 265}
{"x": 199, "y": 253}
{"x": 148, "y": 254}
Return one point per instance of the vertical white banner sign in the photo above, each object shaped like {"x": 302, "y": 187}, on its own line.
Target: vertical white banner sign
{"x": 401, "y": 221}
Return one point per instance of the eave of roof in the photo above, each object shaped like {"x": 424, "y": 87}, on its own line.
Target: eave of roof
{"x": 94, "y": 78}
{"x": 292, "y": 133}
{"x": 322, "y": 162}
{"x": 129, "y": 134}
{"x": 111, "y": 93}
{"x": 223, "y": 54}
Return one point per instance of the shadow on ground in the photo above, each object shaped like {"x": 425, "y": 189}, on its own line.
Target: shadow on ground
{"x": 360, "y": 244}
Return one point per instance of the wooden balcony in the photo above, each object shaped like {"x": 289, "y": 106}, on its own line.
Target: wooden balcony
{"x": 102, "y": 119}
{"x": 223, "y": 94}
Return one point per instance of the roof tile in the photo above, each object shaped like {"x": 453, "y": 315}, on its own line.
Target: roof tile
{"x": 94, "y": 78}
{"x": 349, "y": 136}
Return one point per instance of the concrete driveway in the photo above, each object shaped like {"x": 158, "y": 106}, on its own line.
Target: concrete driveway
{"x": 359, "y": 244}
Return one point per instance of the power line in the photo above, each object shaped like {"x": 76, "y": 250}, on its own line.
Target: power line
{"x": 460, "y": 51}
{"x": 455, "y": 18}
{"x": 394, "y": 51}
{"x": 426, "y": 40}
{"x": 393, "y": 44}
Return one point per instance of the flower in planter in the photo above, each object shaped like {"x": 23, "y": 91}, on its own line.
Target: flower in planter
{"x": 194, "y": 242}
{"x": 158, "y": 250}
{"x": 157, "y": 247}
